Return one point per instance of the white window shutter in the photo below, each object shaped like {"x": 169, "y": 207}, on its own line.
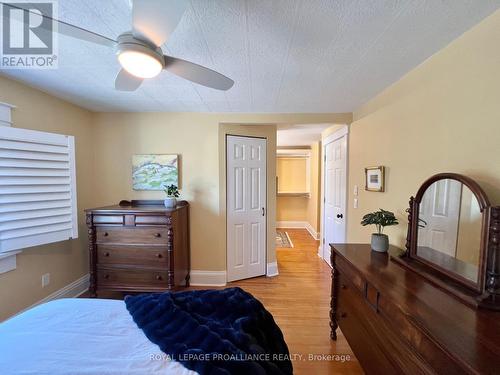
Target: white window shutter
{"x": 37, "y": 188}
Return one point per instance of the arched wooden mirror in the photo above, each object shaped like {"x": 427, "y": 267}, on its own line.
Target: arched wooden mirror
{"x": 454, "y": 239}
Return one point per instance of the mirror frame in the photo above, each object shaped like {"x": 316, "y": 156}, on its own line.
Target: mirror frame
{"x": 486, "y": 291}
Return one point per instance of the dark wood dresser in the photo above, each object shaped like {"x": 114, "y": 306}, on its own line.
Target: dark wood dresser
{"x": 398, "y": 323}
{"x": 138, "y": 246}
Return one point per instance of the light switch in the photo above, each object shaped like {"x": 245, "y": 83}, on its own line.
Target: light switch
{"x": 356, "y": 190}
{"x": 355, "y": 202}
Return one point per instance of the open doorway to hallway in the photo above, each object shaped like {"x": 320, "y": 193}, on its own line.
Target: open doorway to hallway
{"x": 311, "y": 168}
{"x": 298, "y": 169}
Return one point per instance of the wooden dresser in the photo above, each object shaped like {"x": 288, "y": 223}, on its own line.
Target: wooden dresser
{"x": 138, "y": 246}
{"x": 396, "y": 322}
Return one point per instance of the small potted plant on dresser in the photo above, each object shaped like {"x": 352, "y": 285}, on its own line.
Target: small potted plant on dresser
{"x": 381, "y": 219}
{"x": 172, "y": 195}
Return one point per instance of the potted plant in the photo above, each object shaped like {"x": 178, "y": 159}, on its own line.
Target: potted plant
{"x": 381, "y": 219}
{"x": 172, "y": 194}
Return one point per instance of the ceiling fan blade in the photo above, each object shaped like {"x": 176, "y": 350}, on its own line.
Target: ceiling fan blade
{"x": 197, "y": 73}
{"x": 127, "y": 82}
{"x": 156, "y": 20}
{"x": 63, "y": 27}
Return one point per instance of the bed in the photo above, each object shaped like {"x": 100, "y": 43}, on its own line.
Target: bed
{"x": 193, "y": 332}
{"x": 80, "y": 336}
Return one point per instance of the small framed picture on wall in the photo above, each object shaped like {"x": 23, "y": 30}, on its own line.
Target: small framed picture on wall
{"x": 374, "y": 178}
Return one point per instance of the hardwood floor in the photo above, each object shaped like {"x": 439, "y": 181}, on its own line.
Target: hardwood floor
{"x": 299, "y": 299}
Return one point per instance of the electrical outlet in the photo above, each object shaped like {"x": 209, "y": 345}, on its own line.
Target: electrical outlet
{"x": 356, "y": 190}
{"x": 355, "y": 202}
{"x": 45, "y": 280}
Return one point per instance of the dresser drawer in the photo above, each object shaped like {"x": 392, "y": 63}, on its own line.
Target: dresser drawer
{"x": 349, "y": 273}
{"x": 352, "y": 316}
{"x": 374, "y": 340}
{"x": 123, "y": 235}
{"x": 133, "y": 255}
{"x": 109, "y": 277}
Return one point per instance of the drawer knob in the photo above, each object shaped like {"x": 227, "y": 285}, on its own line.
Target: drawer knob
{"x": 343, "y": 286}
{"x": 106, "y": 276}
{"x": 158, "y": 235}
{"x": 106, "y": 234}
{"x": 159, "y": 255}
{"x": 158, "y": 277}
{"x": 343, "y": 315}
{"x": 106, "y": 254}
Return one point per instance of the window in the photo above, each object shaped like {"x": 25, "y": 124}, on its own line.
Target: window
{"x": 37, "y": 188}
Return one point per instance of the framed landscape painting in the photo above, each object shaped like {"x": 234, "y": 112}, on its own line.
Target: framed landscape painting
{"x": 154, "y": 172}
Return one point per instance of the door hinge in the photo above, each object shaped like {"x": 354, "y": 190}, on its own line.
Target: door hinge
{"x": 263, "y": 211}
{"x": 323, "y": 240}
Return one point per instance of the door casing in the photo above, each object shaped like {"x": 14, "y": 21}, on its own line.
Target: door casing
{"x": 324, "y": 248}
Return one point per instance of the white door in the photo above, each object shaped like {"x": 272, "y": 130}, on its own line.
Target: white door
{"x": 334, "y": 224}
{"x": 440, "y": 209}
{"x": 246, "y": 207}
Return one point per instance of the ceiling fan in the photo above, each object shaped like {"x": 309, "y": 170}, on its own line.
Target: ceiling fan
{"x": 139, "y": 51}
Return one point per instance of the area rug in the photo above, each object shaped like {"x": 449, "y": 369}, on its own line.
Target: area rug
{"x": 282, "y": 239}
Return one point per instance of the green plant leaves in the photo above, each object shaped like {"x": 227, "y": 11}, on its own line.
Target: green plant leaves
{"x": 380, "y": 219}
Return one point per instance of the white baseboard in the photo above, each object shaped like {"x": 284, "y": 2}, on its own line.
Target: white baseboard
{"x": 73, "y": 290}
{"x": 299, "y": 224}
{"x": 327, "y": 257}
{"x": 272, "y": 269}
{"x": 207, "y": 278}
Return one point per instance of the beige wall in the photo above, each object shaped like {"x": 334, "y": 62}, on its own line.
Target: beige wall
{"x": 292, "y": 208}
{"x": 65, "y": 261}
{"x": 444, "y": 116}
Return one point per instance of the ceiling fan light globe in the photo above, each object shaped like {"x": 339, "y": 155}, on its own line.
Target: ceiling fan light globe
{"x": 139, "y": 64}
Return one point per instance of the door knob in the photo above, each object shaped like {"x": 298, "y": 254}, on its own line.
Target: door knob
{"x": 340, "y": 216}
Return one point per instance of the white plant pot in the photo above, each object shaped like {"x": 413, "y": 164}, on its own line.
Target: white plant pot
{"x": 170, "y": 202}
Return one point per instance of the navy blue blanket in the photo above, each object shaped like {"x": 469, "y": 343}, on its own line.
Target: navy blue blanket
{"x": 213, "y": 331}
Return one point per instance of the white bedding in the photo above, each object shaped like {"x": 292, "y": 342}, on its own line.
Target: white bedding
{"x": 80, "y": 336}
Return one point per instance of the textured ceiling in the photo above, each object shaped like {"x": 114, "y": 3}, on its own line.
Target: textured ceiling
{"x": 284, "y": 55}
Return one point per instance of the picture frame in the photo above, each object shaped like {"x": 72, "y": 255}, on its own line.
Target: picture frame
{"x": 375, "y": 178}
{"x": 154, "y": 171}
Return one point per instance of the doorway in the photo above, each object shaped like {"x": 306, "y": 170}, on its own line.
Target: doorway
{"x": 246, "y": 179}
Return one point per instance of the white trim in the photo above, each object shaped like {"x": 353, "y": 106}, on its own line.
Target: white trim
{"x": 5, "y": 114}
{"x": 272, "y": 269}
{"x": 74, "y": 197}
{"x": 8, "y": 261}
{"x": 289, "y": 239}
{"x": 73, "y": 290}
{"x": 342, "y": 132}
{"x": 207, "y": 278}
{"x": 311, "y": 231}
{"x": 336, "y": 135}
{"x": 327, "y": 257}
{"x": 298, "y": 224}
